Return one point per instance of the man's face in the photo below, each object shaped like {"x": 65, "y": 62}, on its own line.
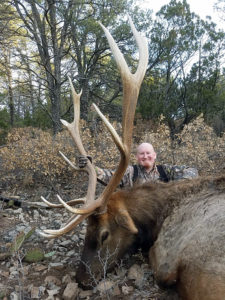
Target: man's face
{"x": 146, "y": 156}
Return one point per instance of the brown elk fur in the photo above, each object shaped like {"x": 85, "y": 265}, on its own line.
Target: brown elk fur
{"x": 184, "y": 220}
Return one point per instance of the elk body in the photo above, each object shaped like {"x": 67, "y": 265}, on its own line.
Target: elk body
{"x": 181, "y": 223}
{"x": 190, "y": 247}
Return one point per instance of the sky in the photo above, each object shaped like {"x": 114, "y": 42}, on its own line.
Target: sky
{"x": 202, "y": 8}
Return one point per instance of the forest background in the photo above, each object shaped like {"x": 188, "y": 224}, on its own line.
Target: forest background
{"x": 181, "y": 106}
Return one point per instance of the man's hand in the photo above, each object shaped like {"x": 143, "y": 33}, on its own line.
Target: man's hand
{"x": 82, "y": 161}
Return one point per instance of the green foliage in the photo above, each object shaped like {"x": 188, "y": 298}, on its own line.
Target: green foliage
{"x": 2, "y": 295}
{"x": 173, "y": 89}
{"x": 4, "y": 125}
{"x": 4, "y": 119}
{"x": 20, "y": 239}
{"x": 176, "y": 85}
{"x": 40, "y": 119}
{"x": 34, "y": 255}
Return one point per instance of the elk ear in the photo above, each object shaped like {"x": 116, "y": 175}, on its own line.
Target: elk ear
{"x": 123, "y": 219}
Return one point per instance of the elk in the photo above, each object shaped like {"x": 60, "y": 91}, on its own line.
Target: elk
{"x": 181, "y": 224}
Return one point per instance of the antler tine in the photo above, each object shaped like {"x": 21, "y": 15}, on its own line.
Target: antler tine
{"x": 73, "y": 222}
{"x": 131, "y": 87}
{"x": 70, "y": 203}
{"x": 75, "y": 133}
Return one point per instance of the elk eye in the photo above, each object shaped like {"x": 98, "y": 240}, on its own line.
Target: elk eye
{"x": 104, "y": 236}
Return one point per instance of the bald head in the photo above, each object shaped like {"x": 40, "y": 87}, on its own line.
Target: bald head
{"x": 146, "y": 156}
{"x": 145, "y": 146}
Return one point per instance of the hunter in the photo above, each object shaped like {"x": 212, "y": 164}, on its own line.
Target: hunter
{"x": 146, "y": 169}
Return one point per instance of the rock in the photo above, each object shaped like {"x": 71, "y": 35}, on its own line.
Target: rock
{"x": 65, "y": 243}
{"x": 10, "y": 236}
{"x": 5, "y": 274}
{"x": 66, "y": 279}
{"x": 57, "y": 224}
{"x": 83, "y": 231}
{"x": 13, "y": 272}
{"x": 85, "y": 294}
{"x": 62, "y": 249}
{"x": 26, "y": 270}
{"x": 70, "y": 253}
{"x": 52, "y": 280}
{"x": 14, "y": 296}
{"x": 105, "y": 285}
{"x": 40, "y": 268}
{"x": 4, "y": 256}
{"x": 37, "y": 292}
{"x": 56, "y": 266}
{"x": 74, "y": 238}
{"x": 116, "y": 291}
{"x": 136, "y": 273}
{"x": 82, "y": 236}
{"x": 18, "y": 211}
{"x": 50, "y": 243}
{"x": 53, "y": 292}
{"x": 34, "y": 293}
{"x": 36, "y": 215}
{"x": 72, "y": 274}
{"x": 127, "y": 289}
{"x": 71, "y": 291}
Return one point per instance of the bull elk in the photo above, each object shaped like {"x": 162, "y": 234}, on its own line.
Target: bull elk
{"x": 181, "y": 224}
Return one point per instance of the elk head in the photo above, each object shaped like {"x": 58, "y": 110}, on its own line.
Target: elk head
{"x": 110, "y": 229}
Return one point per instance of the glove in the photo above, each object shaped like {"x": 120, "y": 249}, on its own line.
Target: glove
{"x": 82, "y": 161}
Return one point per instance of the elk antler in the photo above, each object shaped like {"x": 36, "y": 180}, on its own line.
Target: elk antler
{"x": 131, "y": 86}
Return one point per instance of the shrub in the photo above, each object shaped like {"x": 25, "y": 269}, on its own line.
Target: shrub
{"x": 34, "y": 152}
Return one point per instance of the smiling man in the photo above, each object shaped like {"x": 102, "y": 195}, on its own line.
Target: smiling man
{"x": 146, "y": 169}
{"x": 146, "y": 156}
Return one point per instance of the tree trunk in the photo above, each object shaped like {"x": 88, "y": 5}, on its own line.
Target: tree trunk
{"x": 10, "y": 90}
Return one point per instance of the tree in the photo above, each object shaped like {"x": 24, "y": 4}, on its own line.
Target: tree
{"x": 6, "y": 42}
{"x": 46, "y": 24}
{"x": 91, "y": 66}
{"x": 69, "y": 40}
{"x": 175, "y": 89}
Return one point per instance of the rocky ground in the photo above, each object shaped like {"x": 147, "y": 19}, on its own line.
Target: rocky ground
{"x": 50, "y": 273}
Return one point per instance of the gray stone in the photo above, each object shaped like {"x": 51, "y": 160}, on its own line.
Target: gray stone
{"x": 66, "y": 279}
{"x": 65, "y": 243}
{"x": 14, "y": 296}
{"x": 36, "y": 292}
{"x": 74, "y": 238}
{"x": 71, "y": 291}
{"x": 52, "y": 281}
{"x": 127, "y": 289}
{"x": 85, "y": 294}
{"x": 53, "y": 292}
{"x": 56, "y": 265}
{"x": 136, "y": 273}
{"x": 105, "y": 285}
{"x": 70, "y": 253}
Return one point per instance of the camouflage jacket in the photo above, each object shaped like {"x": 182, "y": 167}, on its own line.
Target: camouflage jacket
{"x": 172, "y": 173}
